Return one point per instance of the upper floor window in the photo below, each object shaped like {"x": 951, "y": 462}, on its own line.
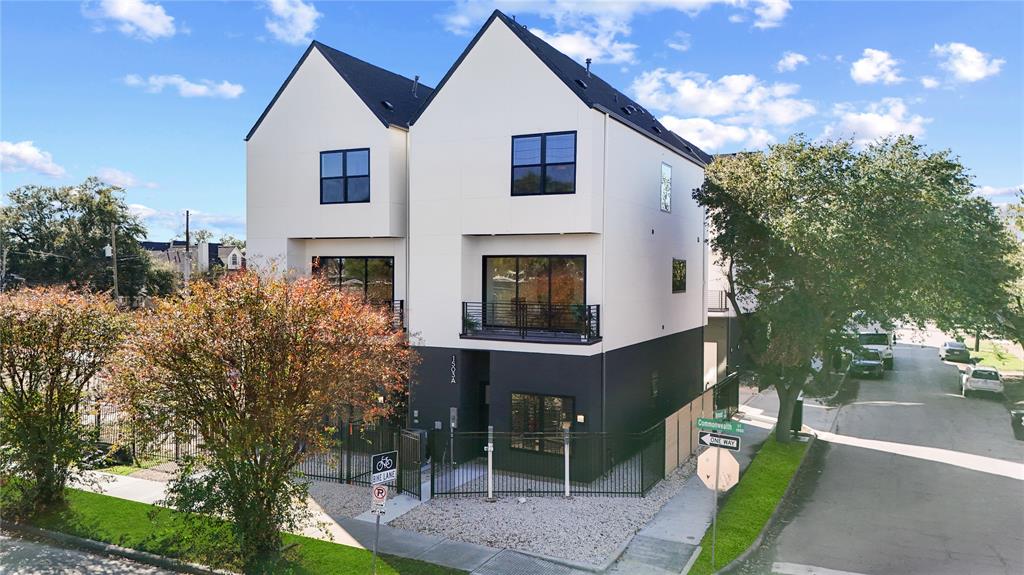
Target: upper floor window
{"x": 345, "y": 176}
{"x": 666, "y": 187}
{"x": 544, "y": 164}
{"x": 372, "y": 278}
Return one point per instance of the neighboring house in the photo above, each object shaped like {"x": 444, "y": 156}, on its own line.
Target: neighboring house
{"x": 538, "y": 222}
{"x": 204, "y": 257}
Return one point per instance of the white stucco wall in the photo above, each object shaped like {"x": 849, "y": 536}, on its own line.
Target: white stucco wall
{"x": 317, "y": 112}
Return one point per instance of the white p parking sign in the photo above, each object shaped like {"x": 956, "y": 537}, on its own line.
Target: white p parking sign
{"x": 379, "y": 498}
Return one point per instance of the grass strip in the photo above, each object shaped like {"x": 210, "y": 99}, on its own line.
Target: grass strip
{"x": 751, "y": 503}
{"x": 149, "y": 528}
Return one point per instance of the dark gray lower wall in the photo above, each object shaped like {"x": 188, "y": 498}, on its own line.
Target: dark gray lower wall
{"x": 626, "y": 398}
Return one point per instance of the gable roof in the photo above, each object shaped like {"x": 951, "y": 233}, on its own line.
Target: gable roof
{"x": 594, "y": 91}
{"x": 388, "y": 95}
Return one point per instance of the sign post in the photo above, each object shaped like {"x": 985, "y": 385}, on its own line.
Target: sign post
{"x": 720, "y": 471}
{"x": 490, "y": 463}
{"x": 383, "y": 467}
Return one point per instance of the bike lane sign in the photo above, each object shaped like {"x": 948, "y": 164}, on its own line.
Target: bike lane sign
{"x": 383, "y": 467}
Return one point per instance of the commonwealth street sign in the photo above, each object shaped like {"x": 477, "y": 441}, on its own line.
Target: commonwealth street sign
{"x": 730, "y": 442}
{"x": 726, "y": 425}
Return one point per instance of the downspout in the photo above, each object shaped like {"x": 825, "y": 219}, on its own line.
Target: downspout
{"x": 408, "y": 284}
{"x": 604, "y": 271}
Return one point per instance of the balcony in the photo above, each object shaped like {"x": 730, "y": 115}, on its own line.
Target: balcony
{"x": 532, "y": 322}
{"x": 717, "y": 301}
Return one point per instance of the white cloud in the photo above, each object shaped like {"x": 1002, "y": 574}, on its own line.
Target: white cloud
{"x": 887, "y": 117}
{"x": 185, "y": 87}
{"x": 790, "y": 61}
{"x": 293, "y": 21}
{"x": 594, "y": 29}
{"x": 710, "y": 136}
{"x": 142, "y": 212}
{"x": 993, "y": 191}
{"x": 680, "y": 42}
{"x": 135, "y": 18}
{"x": 172, "y": 223}
{"x": 966, "y": 63}
{"x": 876, "y": 66}
{"x": 741, "y": 98}
{"x": 929, "y": 82}
{"x": 24, "y": 155}
{"x": 122, "y": 179}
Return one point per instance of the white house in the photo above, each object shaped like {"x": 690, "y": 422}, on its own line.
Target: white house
{"x": 539, "y": 224}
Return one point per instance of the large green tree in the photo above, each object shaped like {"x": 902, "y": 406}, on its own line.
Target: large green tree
{"x": 819, "y": 237}
{"x": 57, "y": 235}
{"x": 1009, "y": 321}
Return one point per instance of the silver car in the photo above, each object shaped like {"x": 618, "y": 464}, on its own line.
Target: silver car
{"x": 981, "y": 378}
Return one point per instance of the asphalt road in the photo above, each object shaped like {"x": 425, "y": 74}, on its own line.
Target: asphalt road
{"x": 25, "y": 557}
{"x": 886, "y": 506}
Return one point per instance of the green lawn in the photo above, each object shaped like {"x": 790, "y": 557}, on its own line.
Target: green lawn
{"x": 998, "y": 356}
{"x": 148, "y": 528}
{"x": 129, "y": 469}
{"x": 751, "y": 503}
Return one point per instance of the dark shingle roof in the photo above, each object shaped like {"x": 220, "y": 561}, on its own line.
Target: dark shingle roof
{"x": 388, "y": 95}
{"x": 594, "y": 91}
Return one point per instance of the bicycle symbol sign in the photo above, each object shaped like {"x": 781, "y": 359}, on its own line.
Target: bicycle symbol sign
{"x": 384, "y": 467}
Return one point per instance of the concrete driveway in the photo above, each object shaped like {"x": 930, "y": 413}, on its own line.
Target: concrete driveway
{"x": 915, "y": 479}
{"x": 25, "y": 557}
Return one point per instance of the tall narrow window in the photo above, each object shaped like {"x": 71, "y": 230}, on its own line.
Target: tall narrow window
{"x": 345, "y": 176}
{"x": 544, "y": 164}
{"x": 666, "y": 187}
{"x": 678, "y": 275}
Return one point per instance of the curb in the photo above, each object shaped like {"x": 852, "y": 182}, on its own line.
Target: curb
{"x": 101, "y": 548}
{"x": 582, "y": 566}
{"x": 773, "y": 518}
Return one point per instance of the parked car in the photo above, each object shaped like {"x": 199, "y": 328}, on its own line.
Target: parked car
{"x": 867, "y": 363}
{"x": 1017, "y": 419}
{"x": 981, "y": 378}
{"x": 880, "y": 341}
{"x": 954, "y": 351}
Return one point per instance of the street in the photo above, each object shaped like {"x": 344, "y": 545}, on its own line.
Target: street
{"x": 914, "y": 479}
{"x": 20, "y": 556}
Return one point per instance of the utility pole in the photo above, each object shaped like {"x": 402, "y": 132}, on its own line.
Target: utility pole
{"x": 188, "y": 250}
{"x": 113, "y": 257}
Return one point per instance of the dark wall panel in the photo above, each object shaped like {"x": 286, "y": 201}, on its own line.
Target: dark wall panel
{"x": 546, "y": 374}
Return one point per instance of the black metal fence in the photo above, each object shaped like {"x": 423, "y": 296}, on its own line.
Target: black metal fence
{"x": 623, "y": 464}
{"x": 350, "y": 446}
{"x": 532, "y": 321}
{"x": 114, "y": 429}
{"x": 727, "y": 394}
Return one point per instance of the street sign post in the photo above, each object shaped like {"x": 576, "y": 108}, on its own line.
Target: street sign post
{"x": 726, "y": 425}
{"x": 720, "y": 471}
{"x": 711, "y": 439}
{"x": 378, "y": 499}
{"x": 383, "y": 467}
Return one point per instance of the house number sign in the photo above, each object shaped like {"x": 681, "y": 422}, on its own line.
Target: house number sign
{"x": 453, "y": 370}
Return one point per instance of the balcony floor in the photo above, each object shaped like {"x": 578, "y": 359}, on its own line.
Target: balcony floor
{"x": 529, "y": 336}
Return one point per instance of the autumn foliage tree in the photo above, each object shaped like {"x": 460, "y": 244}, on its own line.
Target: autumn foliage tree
{"x": 53, "y": 343}
{"x": 255, "y": 365}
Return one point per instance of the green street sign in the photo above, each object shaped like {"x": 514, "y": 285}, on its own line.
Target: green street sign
{"x": 721, "y": 414}
{"x": 726, "y": 425}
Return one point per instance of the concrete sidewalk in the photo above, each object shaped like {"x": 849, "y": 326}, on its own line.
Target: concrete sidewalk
{"x": 356, "y": 532}
{"x": 667, "y": 544}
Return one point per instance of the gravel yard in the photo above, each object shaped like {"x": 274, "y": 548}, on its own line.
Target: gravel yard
{"x": 340, "y": 499}
{"x": 582, "y": 529}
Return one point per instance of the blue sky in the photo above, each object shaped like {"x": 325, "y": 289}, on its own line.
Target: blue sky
{"x": 157, "y": 96}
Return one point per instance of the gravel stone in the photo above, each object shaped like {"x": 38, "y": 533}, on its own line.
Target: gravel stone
{"x": 582, "y": 529}
{"x": 340, "y": 499}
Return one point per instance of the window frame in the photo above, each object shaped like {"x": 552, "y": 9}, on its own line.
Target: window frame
{"x": 665, "y": 207}
{"x": 543, "y": 165}
{"x": 366, "y": 272}
{"x": 344, "y": 177}
{"x": 522, "y": 437}
{"x": 483, "y": 271}
{"x": 673, "y": 276}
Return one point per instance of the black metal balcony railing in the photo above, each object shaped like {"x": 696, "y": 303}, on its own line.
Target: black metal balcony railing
{"x": 717, "y": 300}
{"x": 540, "y": 322}
{"x": 397, "y": 309}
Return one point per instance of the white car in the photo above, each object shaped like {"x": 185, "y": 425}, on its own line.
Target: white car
{"x": 880, "y": 341}
{"x": 981, "y": 378}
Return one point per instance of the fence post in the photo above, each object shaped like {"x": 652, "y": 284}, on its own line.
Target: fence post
{"x": 490, "y": 463}
{"x": 432, "y": 440}
{"x": 565, "y": 450}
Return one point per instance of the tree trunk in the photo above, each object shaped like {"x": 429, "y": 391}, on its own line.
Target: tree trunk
{"x": 787, "y": 399}
{"x": 977, "y": 341}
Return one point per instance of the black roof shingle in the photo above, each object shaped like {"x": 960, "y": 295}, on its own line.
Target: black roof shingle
{"x": 594, "y": 91}
{"x": 389, "y": 96}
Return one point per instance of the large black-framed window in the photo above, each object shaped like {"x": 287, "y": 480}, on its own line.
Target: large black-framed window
{"x": 345, "y": 176}
{"x": 537, "y": 421}
{"x": 371, "y": 277}
{"x": 544, "y": 164}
